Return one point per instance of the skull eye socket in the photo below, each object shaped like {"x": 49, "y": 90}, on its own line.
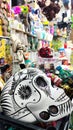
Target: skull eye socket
{"x": 41, "y": 82}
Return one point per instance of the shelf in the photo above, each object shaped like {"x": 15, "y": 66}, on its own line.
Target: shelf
{"x": 27, "y": 33}
{"x": 4, "y": 37}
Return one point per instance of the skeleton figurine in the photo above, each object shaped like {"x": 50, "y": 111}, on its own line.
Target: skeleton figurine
{"x": 19, "y": 49}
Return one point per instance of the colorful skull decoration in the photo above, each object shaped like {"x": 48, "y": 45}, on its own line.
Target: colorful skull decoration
{"x": 29, "y": 97}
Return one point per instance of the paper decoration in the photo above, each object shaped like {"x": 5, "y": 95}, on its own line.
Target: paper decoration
{"x": 17, "y": 10}
{"x": 24, "y": 9}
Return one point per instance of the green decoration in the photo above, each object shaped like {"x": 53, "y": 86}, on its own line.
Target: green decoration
{"x": 24, "y": 9}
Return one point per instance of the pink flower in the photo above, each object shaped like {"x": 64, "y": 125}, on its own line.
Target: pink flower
{"x": 17, "y": 10}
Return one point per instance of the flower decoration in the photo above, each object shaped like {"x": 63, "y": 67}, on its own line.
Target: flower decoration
{"x": 17, "y": 10}
{"x": 24, "y": 9}
{"x": 45, "y": 52}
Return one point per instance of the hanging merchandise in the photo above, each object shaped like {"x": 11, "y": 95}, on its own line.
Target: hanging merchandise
{"x": 24, "y": 9}
{"x": 17, "y": 10}
{"x": 22, "y": 14}
{"x": 53, "y": 8}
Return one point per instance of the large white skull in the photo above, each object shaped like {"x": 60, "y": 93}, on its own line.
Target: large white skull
{"x": 27, "y": 97}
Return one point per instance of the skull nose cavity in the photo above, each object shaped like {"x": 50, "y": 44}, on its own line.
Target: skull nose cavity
{"x": 44, "y": 115}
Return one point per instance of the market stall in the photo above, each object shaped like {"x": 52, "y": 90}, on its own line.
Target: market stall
{"x": 39, "y": 92}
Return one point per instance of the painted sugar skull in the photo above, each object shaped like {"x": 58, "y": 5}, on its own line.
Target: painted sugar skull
{"x": 29, "y": 97}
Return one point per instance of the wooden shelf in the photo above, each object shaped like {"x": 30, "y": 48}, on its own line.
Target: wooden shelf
{"x": 4, "y": 37}
{"x": 27, "y": 33}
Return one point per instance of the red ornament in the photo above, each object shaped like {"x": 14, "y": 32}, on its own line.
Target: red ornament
{"x": 45, "y": 52}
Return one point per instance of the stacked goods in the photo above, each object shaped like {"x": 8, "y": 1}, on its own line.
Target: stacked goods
{"x": 4, "y": 23}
